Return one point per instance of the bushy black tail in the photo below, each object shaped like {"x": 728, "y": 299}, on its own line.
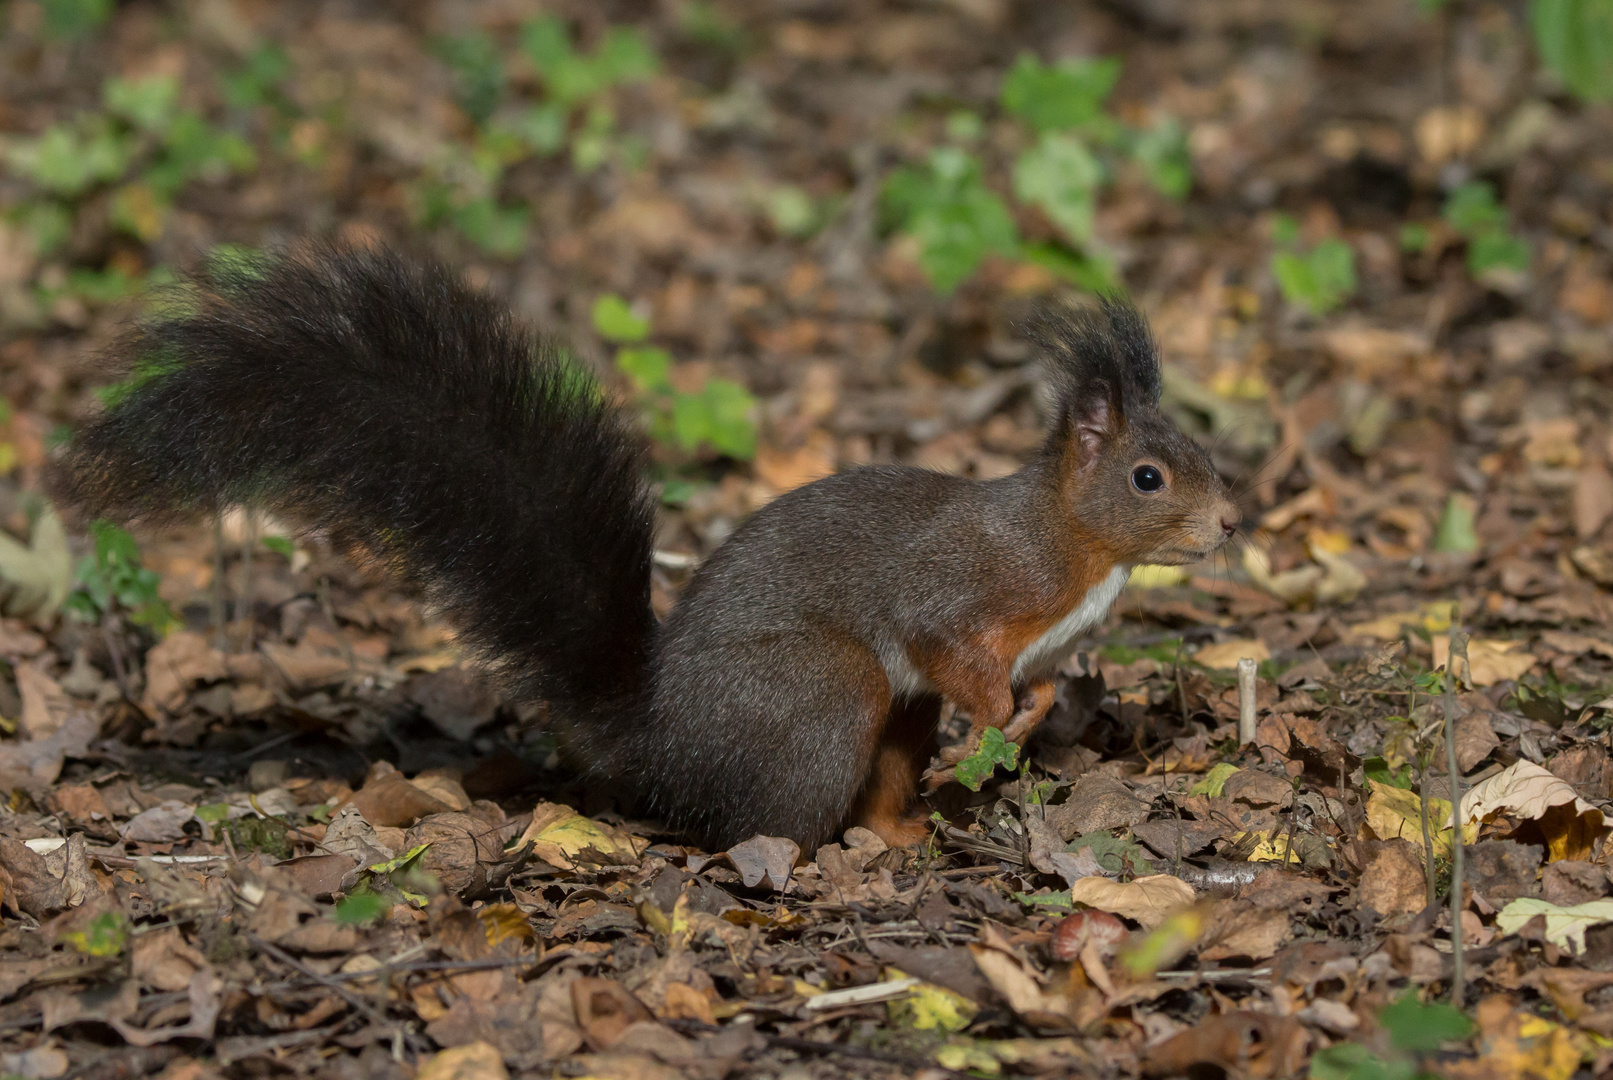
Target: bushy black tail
{"x": 406, "y": 414}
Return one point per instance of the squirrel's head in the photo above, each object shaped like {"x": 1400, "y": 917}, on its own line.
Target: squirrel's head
{"x": 1131, "y": 476}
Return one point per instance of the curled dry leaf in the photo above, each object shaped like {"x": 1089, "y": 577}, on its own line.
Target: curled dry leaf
{"x": 1489, "y": 660}
{"x": 1526, "y": 792}
{"x": 1147, "y": 900}
{"x": 1565, "y": 926}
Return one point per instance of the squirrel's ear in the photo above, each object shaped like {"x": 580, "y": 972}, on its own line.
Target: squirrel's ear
{"x": 1091, "y": 420}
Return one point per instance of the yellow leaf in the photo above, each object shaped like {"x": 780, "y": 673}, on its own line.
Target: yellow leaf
{"x": 1489, "y": 661}
{"x": 1215, "y": 781}
{"x": 929, "y": 1007}
{"x": 1393, "y": 813}
{"x": 1156, "y": 577}
{"x": 473, "y": 1061}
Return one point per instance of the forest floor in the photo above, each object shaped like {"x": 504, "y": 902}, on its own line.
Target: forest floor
{"x": 267, "y": 823}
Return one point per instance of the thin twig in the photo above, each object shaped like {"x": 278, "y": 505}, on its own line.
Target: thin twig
{"x": 217, "y": 612}
{"x": 377, "y": 1016}
{"x": 1458, "y": 649}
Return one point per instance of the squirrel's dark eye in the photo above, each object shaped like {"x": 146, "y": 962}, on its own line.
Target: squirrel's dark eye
{"x": 1147, "y": 478}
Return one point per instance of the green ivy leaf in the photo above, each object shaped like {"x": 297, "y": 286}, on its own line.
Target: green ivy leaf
{"x": 497, "y": 230}
{"x": 615, "y": 321}
{"x": 1060, "y": 175}
{"x": 1497, "y": 251}
{"x": 1472, "y": 209}
{"x": 994, "y": 750}
{"x": 67, "y": 161}
{"x": 1060, "y": 96}
{"x": 1352, "y": 1061}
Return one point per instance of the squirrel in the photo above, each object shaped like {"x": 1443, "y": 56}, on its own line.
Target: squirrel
{"x": 795, "y": 688}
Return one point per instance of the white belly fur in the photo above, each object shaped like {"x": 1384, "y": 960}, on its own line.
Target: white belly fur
{"x": 907, "y": 680}
{"x": 1052, "y": 646}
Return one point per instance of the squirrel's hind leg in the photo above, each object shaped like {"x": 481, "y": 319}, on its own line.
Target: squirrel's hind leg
{"x": 904, "y": 747}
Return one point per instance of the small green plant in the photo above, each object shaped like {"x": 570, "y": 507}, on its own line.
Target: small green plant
{"x": 69, "y": 20}
{"x": 1575, "y": 39}
{"x": 111, "y": 579}
{"x": 717, "y": 415}
{"x": 575, "y": 81}
{"x": 478, "y": 72}
{"x": 957, "y": 221}
{"x": 141, "y": 140}
{"x": 1074, "y": 147}
{"x": 994, "y": 750}
{"x": 1472, "y": 210}
{"x": 1317, "y": 280}
{"x": 361, "y": 909}
{"x": 1414, "y": 1031}
{"x": 258, "y": 80}
{"x": 575, "y": 110}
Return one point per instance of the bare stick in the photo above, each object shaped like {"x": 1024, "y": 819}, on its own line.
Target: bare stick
{"x": 1246, "y": 701}
{"x": 245, "y": 609}
{"x": 1458, "y": 649}
{"x": 217, "y": 612}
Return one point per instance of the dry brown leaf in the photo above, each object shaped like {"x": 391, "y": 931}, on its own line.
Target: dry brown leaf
{"x": 1394, "y": 882}
{"x": 1226, "y": 654}
{"x": 1147, "y": 900}
{"x": 1018, "y": 986}
{"x": 765, "y": 860}
{"x": 1489, "y": 660}
{"x": 44, "y": 706}
{"x": 1245, "y": 1044}
{"x": 175, "y": 664}
{"x": 1593, "y": 500}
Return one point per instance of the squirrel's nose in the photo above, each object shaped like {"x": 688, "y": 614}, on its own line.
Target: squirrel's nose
{"x": 1230, "y": 520}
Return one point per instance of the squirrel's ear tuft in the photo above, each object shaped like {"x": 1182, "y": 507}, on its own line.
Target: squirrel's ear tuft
{"x": 1109, "y": 343}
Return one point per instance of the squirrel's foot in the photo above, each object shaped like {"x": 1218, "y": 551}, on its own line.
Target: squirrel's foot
{"x": 909, "y": 830}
